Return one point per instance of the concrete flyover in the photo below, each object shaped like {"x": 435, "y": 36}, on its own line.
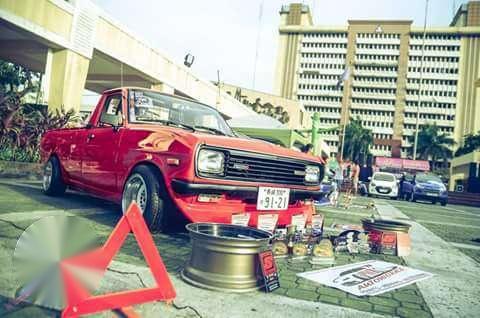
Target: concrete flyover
{"x": 77, "y": 46}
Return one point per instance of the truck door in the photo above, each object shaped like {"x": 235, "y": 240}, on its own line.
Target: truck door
{"x": 99, "y": 163}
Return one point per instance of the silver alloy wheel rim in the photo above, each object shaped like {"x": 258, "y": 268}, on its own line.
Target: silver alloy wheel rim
{"x": 47, "y": 175}
{"x": 135, "y": 190}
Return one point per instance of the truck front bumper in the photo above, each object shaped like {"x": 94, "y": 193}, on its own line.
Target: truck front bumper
{"x": 234, "y": 200}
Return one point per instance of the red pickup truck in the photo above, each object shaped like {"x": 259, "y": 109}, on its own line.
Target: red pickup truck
{"x": 171, "y": 154}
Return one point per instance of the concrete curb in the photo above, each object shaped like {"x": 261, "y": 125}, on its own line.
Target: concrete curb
{"x": 26, "y": 170}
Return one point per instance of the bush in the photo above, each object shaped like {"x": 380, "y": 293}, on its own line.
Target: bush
{"x": 20, "y": 140}
{"x": 22, "y": 125}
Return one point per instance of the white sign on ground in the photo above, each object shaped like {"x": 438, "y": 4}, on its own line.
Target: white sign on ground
{"x": 367, "y": 278}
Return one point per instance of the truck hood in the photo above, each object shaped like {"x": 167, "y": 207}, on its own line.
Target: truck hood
{"x": 193, "y": 139}
{"x": 253, "y": 145}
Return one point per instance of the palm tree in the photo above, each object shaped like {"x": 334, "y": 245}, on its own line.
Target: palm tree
{"x": 358, "y": 140}
{"x": 471, "y": 143}
{"x": 433, "y": 145}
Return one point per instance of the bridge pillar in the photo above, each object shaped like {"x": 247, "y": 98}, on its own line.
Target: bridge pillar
{"x": 66, "y": 79}
{"x": 162, "y": 87}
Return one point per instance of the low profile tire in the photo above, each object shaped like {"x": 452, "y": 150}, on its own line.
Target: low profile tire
{"x": 145, "y": 186}
{"x": 52, "y": 182}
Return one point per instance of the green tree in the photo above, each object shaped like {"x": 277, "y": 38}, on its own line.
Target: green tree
{"x": 22, "y": 125}
{"x": 470, "y": 144}
{"x": 358, "y": 141}
{"x": 15, "y": 83}
{"x": 433, "y": 145}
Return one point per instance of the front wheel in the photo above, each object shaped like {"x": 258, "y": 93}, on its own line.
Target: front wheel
{"x": 145, "y": 188}
{"x": 52, "y": 182}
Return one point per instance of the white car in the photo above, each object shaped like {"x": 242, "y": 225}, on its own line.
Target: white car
{"x": 383, "y": 184}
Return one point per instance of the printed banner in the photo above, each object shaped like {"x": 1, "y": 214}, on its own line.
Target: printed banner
{"x": 368, "y": 278}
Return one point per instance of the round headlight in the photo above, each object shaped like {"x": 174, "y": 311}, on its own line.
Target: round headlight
{"x": 210, "y": 161}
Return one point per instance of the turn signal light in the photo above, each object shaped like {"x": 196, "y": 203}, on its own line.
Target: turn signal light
{"x": 173, "y": 161}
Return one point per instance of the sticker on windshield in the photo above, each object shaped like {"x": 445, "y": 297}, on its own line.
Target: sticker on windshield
{"x": 143, "y": 101}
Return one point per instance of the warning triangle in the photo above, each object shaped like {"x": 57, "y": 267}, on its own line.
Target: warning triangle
{"x": 78, "y": 299}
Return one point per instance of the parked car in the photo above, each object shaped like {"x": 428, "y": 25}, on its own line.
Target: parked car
{"x": 174, "y": 155}
{"x": 425, "y": 186}
{"x": 383, "y": 184}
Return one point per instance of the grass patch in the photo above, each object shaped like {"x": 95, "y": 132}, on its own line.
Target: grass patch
{"x": 475, "y": 254}
{"x": 436, "y": 216}
{"x": 454, "y": 233}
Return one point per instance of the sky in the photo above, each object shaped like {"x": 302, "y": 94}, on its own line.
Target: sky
{"x": 222, "y": 34}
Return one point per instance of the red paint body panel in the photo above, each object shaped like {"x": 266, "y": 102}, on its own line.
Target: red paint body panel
{"x": 101, "y": 165}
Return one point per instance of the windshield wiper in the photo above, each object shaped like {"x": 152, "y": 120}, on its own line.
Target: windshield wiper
{"x": 214, "y": 130}
{"x": 171, "y": 123}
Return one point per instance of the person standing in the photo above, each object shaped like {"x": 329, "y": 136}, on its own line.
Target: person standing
{"x": 338, "y": 176}
{"x": 355, "y": 173}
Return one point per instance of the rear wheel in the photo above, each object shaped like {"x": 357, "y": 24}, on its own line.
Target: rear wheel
{"x": 145, "y": 187}
{"x": 52, "y": 182}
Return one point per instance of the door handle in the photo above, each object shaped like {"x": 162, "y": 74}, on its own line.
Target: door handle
{"x": 90, "y": 136}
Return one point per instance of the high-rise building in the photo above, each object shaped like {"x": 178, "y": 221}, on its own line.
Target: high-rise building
{"x": 381, "y": 61}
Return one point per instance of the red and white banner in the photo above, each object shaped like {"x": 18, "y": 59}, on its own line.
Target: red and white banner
{"x": 397, "y": 163}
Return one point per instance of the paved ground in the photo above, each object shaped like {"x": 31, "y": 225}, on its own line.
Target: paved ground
{"x": 19, "y": 199}
{"x": 450, "y": 292}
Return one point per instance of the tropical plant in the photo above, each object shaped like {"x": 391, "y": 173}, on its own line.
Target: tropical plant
{"x": 267, "y": 108}
{"x": 470, "y": 144}
{"x": 15, "y": 83}
{"x": 358, "y": 141}
{"x": 433, "y": 145}
{"x": 22, "y": 125}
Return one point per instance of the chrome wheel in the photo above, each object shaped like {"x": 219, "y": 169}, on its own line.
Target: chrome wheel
{"x": 135, "y": 190}
{"x": 47, "y": 175}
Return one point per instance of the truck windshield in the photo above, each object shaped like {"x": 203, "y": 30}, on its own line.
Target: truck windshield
{"x": 152, "y": 107}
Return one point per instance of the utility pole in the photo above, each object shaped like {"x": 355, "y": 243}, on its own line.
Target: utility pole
{"x": 219, "y": 96}
{"x": 260, "y": 13}
{"x": 420, "y": 88}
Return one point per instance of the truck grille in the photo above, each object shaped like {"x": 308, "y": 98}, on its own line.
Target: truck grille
{"x": 253, "y": 167}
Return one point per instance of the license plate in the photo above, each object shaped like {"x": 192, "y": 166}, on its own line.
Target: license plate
{"x": 272, "y": 198}
{"x": 432, "y": 194}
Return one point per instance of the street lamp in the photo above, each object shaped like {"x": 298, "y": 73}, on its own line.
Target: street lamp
{"x": 189, "y": 59}
{"x": 420, "y": 89}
